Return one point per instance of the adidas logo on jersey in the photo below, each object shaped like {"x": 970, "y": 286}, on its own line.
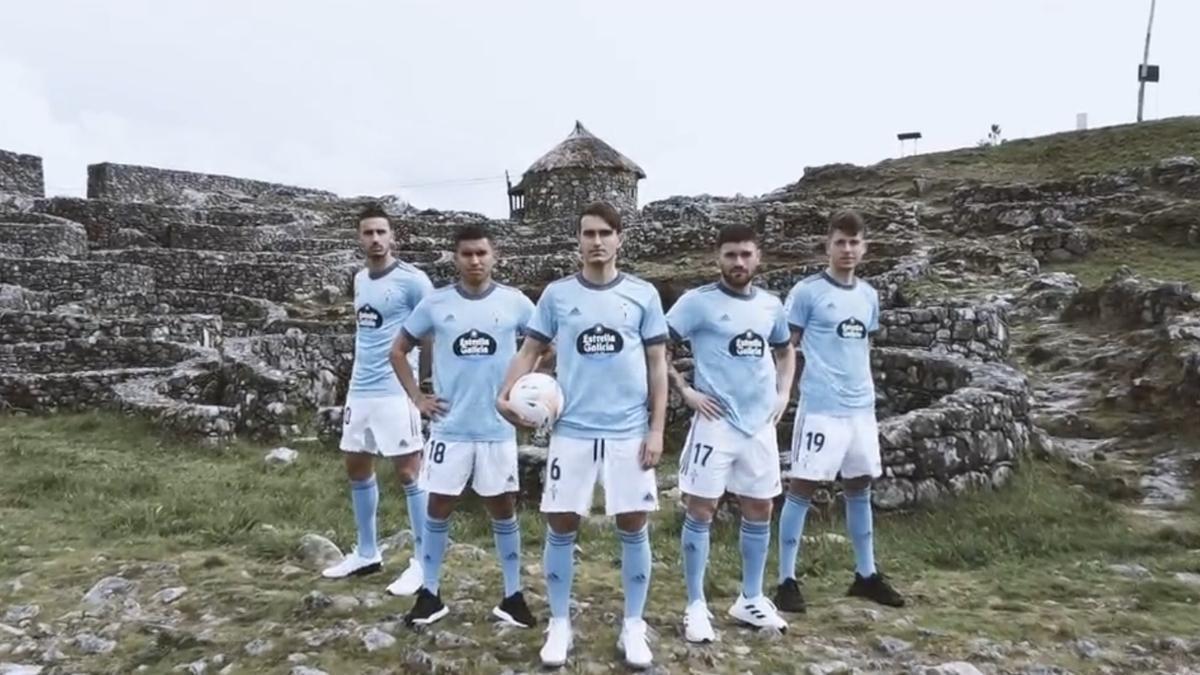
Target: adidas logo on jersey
{"x": 599, "y": 340}
{"x": 725, "y": 317}
{"x": 852, "y": 329}
{"x": 574, "y": 312}
{"x": 448, "y": 319}
{"x": 474, "y": 343}
{"x": 748, "y": 345}
{"x": 369, "y": 317}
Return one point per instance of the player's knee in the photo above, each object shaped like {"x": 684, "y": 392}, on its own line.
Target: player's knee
{"x": 440, "y": 506}
{"x": 359, "y": 466}
{"x": 631, "y": 522}
{"x": 756, "y": 510}
{"x": 563, "y": 523}
{"x": 857, "y": 485}
{"x": 501, "y": 507}
{"x": 802, "y": 488}
{"x": 702, "y": 510}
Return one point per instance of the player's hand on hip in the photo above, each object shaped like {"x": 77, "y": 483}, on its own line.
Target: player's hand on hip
{"x": 652, "y": 449}
{"x": 432, "y": 406}
{"x": 703, "y": 404}
{"x": 507, "y": 412}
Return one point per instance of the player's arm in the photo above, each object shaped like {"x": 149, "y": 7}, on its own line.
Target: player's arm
{"x": 785, "y": 375}
{"x": 656, "y": 372}
{"x": 430, "y": 406}
{"x": 425, "y": 359}
{"x": 532, "y": 350}
{"x": 696, "y": 400}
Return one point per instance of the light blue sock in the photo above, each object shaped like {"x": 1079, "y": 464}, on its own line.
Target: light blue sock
{"x": 755, "y": 540}
{"x": 437, "y": 531}
{"x": 858, "y": 524}
{"x": 635, "y": 570}
{"x": 791, "y": 532}
{"x": 694, "y": 543}
{"x": 559, "y": 563}
{"x": 507, "y": 534}
{"x": 418, "y": 502}
{"x": 364, "y": 495}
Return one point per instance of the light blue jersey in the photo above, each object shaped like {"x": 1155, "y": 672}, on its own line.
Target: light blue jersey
{"x": 382, "y": 302}
{"x": 836, "y": 320}
{"x": 732, "y": 336}
{"x": 474, "y": 340}
{"x": 600, "y": 334}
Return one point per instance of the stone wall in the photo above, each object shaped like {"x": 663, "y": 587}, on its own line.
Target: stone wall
{"x": 66, "y": 391}
{"x": 230, "y": 238}
{"x": 21, "y": 326}
{"x": 76, "y": 279}
{"x": 979, "y": 332}
{"x": 563, "y": 193}
{"x": 21, "y": 174}
{"x": 126, "y": 182}
{"x": 317, "y": 365}
{"x": 115, "y": 224}
{"x": 276, "y": 278}
{"x": 43, "y": 240}
{"x": 93, "y": 353}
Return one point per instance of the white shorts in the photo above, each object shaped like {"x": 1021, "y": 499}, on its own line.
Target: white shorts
{"x": 717, "y": 457}
{"x": 573, "y": 466}
{"x": 491, "y": 467}
{"x": 825, "y": 445}
{"x": 383, "y": 425}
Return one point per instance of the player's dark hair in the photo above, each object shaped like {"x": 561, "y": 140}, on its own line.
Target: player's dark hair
{"x": 471, "y": 232}
{"x": 373, "y": 211}
{"x": 605, "y": 212}
{"x": 848, "y": 222}
{"x": 736, "y": 233}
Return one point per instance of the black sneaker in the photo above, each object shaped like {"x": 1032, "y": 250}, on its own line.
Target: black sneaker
{"x": 788, "y": 597}
{"x": 513, "y": 610}
{"x": 426, "y": 610}
{"x": 877, "y": 588}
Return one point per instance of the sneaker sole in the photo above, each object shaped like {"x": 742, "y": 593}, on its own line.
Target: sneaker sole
{"x": 358, "y": 572}
{"x": 507, "y": 618}
{"x": 631, "y": 664}
{"x": 700, "y": 641}
{"x": 556, "y": 664}
{"x": 398, "y": 594}
{"x": 750, "y": 621}
{"x": 431, "y": 619}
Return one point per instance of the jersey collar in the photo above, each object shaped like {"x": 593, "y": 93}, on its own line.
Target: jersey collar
{"x": 599, "y": 287}
{"x": 386, "y": 271}
{"x": 849, "y": 287}
{"x": 471, "y": 296}
{"x": 734, "y": 294}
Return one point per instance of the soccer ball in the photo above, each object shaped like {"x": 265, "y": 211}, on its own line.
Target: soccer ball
{"x": 537, "y": 398}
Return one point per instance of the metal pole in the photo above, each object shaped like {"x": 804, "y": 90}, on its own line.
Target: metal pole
{"x": 1145, "y": 62}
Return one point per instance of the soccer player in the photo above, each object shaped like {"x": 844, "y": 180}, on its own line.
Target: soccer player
{"x": 611, "y": 348}
{"x": 744, "y": 364}
{"x": 475, "y": 325}
{"x": 379, "y": 418}
{"x": 831, "y": 315}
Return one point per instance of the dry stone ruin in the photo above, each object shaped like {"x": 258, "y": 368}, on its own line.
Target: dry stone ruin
{"x": 219, "y": 306}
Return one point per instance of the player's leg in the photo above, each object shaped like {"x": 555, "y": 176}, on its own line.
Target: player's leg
{"x": 862, "y": 464}
{"x": 404, "y": 444}
{"x": 754, "y": 477}
{"x": 495, "y": 480}
{"x": 444, "y": 473}
{"x": 704, "y": 464}
{"x": 819, "y": 444}
{"x": 630, "y": 493}
{"x": 571, "y": 469}
{"x": 358, "y": 448}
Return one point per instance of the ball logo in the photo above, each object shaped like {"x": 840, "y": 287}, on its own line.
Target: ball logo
{"x": 599, "y": 341}
{"x": 474, "y": 343}
{"x": 369, "y": 317}
{"x": 852, "y": 328}
{"x": 748, "y": 344}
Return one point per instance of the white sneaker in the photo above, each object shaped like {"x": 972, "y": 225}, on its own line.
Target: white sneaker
{"x": 635, "y": 644}
{"x": 559, "y": 639}
{"x": 697, "y": 623}
{"x": 759, "y": 612}
{"x": 410, "y": 581}
{"x": 353, "y": 565}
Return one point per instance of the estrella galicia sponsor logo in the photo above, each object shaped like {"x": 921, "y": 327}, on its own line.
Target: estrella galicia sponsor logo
{"x": 474, "y": 343}
{"x": 748, "y": 344}
{"x": 599, "y": 340}
{"x": 852, "y": 328}
{"x": 369, "y": 317}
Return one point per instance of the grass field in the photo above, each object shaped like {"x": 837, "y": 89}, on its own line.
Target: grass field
{"x": 87, "y": 496}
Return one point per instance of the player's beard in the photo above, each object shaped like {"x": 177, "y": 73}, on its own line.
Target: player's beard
{"x": 737, "y": 280}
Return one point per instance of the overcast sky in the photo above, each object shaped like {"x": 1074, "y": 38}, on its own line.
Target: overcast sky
{"x": 718, "y": 97}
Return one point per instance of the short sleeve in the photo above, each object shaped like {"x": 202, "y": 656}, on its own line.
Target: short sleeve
{"x": 654, "y": 324}
{"x": 419, "y": 287}
{"x": 524, "y": 311}
{"x": 781, "y": 335}
{"x": 680, "y": 318}
{"x": 419, "y": 322}
{"x": 798, "y": 307}
{"x": 544, "y": 324}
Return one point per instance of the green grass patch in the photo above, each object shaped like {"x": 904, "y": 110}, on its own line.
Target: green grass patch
{"x": 1147, "y": 258}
